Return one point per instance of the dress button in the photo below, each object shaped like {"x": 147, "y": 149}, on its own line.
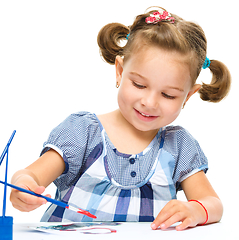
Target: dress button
{"x": 132, "y": 160}
{"x": 133, "y": 174}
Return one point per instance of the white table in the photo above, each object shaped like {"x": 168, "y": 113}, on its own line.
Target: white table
{"x": 136, "y": 231}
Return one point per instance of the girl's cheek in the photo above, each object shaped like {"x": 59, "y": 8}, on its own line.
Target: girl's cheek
{"x": 173, "y": 109}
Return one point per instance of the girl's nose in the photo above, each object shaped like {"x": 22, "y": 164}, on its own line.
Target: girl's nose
{"x": 150, "y": 100}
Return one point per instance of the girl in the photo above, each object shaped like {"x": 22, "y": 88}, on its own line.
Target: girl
{"x": 128, "y": 165}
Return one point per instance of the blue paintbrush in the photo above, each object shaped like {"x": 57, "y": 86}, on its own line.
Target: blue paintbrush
{"x": 54, "y": 201}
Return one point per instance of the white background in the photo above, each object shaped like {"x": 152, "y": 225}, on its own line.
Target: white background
{"x": 50, "y": 67}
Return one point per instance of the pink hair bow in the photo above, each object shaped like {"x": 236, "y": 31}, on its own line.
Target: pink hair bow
{"x": 162, "y": 16}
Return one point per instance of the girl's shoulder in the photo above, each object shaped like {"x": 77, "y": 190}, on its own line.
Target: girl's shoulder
{"x": 177, "y": 132}
{"x": 178, "y": 140}
{"x": 82, "y": 116}
{"x": 76, "y": 128}
{"x": 80, "y": 120}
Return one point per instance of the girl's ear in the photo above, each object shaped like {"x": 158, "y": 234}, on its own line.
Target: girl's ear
{"x": 119, "y": 70}
{"x": 193, "y": 90}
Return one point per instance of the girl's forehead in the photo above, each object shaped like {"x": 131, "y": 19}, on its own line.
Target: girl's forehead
{"x": 156, "y": 64}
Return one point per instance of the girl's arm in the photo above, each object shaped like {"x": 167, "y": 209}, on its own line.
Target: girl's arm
{"x": 36, "y": 178}
{"x": 196, "y": 187}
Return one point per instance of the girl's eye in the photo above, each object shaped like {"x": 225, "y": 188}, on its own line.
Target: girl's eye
{"x": 138, "y": 85}
{"x": 168, "y": 96}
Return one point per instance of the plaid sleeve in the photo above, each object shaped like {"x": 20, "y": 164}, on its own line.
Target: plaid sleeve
{"x": 69, "y": 139}
{"x": 188, "y": 155}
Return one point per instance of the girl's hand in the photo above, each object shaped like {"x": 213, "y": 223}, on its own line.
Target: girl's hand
{"x": 23, "y": 201}
{"x": 189, "y": 213}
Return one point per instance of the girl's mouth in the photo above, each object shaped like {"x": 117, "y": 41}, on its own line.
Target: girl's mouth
{"x": 144, "y": 116}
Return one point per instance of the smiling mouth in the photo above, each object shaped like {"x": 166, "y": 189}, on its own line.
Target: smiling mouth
{"x": 146, "y": 116}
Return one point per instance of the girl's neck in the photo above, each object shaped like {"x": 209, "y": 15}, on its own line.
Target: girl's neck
{"x": 123, "y": 135}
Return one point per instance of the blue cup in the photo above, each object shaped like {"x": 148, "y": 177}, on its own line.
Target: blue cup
{"x": 6, "y": 228}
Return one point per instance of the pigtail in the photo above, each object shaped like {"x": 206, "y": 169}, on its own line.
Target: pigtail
{"x": 220, "y": 84}
{"x": 109, "y": 39}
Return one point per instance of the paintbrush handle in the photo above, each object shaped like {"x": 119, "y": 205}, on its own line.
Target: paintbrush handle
{"x": 58, "y": 203}
{"x": 54, "y": 201}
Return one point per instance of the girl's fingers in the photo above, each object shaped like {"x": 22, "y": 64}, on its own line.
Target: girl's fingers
{"x": 24, "y": 204}
{"x": 167, "y": 212}
{"x": 176, "y": 217}
{"x": 185, "y": 224}
{"x": 29, "y": 199}
{"x": 39, "y": 189}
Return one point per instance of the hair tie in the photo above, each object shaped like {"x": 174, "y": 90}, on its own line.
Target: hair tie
{"x": 160, "y": 16}
{"x": 127, "y": 37}
{"x": 206, "y": 63}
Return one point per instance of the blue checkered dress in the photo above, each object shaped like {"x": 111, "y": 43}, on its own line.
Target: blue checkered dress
{"x": 116, "y": 186}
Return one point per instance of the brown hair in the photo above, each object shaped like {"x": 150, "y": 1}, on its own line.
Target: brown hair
{"x": 182, "y": 36}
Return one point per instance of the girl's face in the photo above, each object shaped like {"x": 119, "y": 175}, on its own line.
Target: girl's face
{"x": 154, "y": 86}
